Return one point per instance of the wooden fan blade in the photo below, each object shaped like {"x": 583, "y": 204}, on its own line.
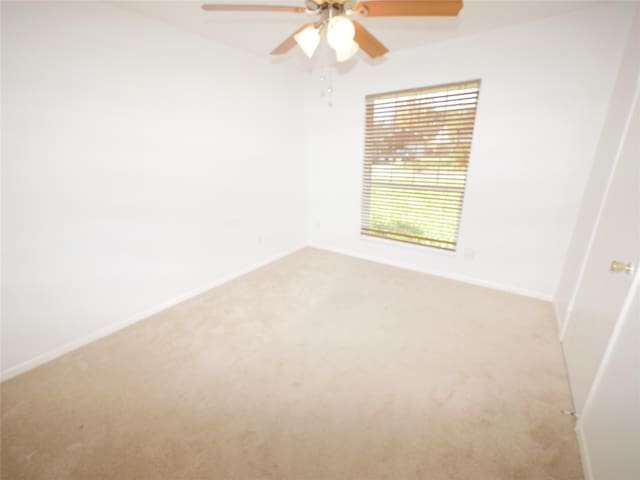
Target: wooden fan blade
{"x": 289, "y": 42}
{"x": 211, "y": 7}
{"x": 409, "y": 8}
{"x": 367, "y": 42}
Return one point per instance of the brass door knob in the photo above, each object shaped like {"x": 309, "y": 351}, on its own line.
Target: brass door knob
{"x": 618, "y": 266}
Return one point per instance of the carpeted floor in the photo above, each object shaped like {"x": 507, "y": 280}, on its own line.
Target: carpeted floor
{"x": 318, "y": 366}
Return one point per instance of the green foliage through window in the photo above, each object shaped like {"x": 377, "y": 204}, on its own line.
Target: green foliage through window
{"x": 417, "y": 148}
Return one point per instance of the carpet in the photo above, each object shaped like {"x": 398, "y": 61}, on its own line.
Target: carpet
{"x": 316, "y": 366}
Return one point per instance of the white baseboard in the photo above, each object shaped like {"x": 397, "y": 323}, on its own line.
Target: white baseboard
{"x": 458, "y": 278}
{"x": 59, "y": 351}
{"x": 584, "y": 453}
{"x": 559, "y": 320}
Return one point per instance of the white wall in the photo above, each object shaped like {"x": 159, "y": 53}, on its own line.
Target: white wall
{"x": 139, "y": 163}
{"x": 545, "y": 90}
{"x": 601, "y": 171}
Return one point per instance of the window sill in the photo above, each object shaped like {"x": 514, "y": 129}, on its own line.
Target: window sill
{"x": 408, "y": 246}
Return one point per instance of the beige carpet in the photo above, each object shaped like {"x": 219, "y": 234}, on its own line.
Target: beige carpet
{"x": 318, "y": 366}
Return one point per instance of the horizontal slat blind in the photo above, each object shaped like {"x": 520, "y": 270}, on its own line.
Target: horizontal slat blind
{"x": 416, "y": 153}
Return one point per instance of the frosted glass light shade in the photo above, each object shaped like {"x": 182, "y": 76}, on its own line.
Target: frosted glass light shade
{"x": 308, "y": 39}
{"x": 340, "y": 33}
{"x": 345, "y": 54}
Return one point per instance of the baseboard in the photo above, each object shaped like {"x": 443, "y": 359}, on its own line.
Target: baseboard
{"x": 584, "y": 453}
{"x": 459, "y": 278}
{"x": 64, "y": 349}
{"x": 57, "y": 352}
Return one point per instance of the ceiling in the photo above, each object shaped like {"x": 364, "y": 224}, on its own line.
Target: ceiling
{"x": 259, "y": 32}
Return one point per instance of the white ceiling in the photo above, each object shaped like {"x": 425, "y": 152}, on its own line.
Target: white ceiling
{"x": 259, "y": 32}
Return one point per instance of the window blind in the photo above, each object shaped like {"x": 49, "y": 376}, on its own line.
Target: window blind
{"x": 416, "y": 153}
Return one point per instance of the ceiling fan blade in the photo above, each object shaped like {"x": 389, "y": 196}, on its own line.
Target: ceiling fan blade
{"x": 211, "y": 7}
{"x": 367, "y": 42}
{"x": 408, "y": 8}
{"x": 289, "y": 42}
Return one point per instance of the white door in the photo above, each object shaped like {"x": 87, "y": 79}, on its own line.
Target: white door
{"x": 602, "y": 292}
{"x": 610, "y": 424}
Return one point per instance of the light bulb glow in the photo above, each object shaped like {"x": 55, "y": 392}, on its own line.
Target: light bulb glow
{"x": 345, "y": 54}
{"x": 308, "y": 40}
{"x": 340, "y": 33}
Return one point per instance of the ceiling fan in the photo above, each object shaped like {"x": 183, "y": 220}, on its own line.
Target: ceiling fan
{"x": 344, "y": 35}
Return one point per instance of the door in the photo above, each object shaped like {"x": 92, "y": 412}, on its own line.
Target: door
{"x": 610, "y": 425}
{"x": 602, "y": 291}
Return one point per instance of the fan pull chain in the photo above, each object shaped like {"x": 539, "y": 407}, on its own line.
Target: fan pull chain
{"x": 326, "y": 78}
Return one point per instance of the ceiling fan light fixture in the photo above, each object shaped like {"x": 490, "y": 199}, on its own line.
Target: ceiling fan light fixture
{"x": 308, "y": 40}
{"x": 340, "y": 33}
{"x": 345, "y": 54}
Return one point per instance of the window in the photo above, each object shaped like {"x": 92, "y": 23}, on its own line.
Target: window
{"x": 417, "y": 146}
